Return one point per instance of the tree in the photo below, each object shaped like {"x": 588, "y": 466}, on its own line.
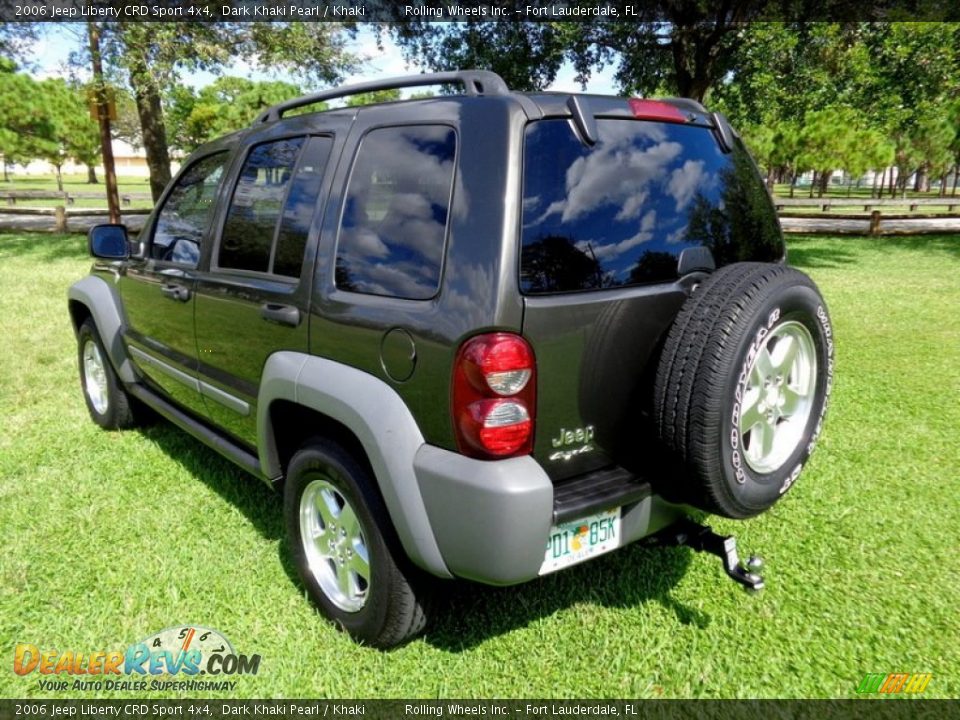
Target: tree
{"x": 954, "y": 115}
{"x": 226, "y": 105}
{"x": 527, "y": 55}
{"x": 914, "y": 74}
{"x": 369, "y": 98}
{"x": 21, "y": 118}
{"x": 69, "y": 133}
{"x": 679, "y": 46}
{"x": 929, "y": 143}
{"x": 47, "y": 119}
{"x": 151, "y": 57}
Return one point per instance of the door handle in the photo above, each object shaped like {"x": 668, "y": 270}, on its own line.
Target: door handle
{"x": 175, "y": 292}
{"x": 280, "y": 314}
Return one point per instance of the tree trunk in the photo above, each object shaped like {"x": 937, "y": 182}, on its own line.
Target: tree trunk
{"x": 921, "y": 182}
{"x": 824, "y": 180}
{"x": 891, "y": 188}
{"x": 793, "y": 182}
{"x": 92, "y": 175}
{"x": 147, "y": 95}
{"x": 102, "y": 106}
{"x": 59, "y": 179}
{"x": 873, "y": 190}
{"x": 956, "y": 175}
{"x": 943, "y": 186}
{"x": 813, "y": 182}
{"x": 6, "y": 177}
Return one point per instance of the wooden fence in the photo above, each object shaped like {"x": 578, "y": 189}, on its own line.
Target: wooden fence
{"x": 68, "y": 198}
{"x": 868, "y": 204}
{"x": 61, "y": 214}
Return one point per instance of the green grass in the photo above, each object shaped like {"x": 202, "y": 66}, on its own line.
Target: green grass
{"x": 113, "y": 536}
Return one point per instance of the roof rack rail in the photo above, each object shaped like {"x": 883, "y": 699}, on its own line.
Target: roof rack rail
{"x": 475, "y": 82}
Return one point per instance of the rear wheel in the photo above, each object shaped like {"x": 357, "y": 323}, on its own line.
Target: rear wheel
{"x": 346, "y": 551}
{"x": 107, "y": 401}
{"x": 742, "y": 387}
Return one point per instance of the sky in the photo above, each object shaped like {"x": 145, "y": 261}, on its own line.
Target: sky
{"x": 51, "y": 53}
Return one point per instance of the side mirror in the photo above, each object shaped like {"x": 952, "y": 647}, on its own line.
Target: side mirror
{"x": 109, "y": 242}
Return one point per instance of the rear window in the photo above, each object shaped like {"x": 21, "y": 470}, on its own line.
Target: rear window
{"x": 620, "y": 212}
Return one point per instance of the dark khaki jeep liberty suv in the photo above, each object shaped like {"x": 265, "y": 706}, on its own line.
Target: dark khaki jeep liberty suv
{"x": 485, "y": 335}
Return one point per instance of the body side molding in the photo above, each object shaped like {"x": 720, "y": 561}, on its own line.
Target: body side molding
{"x": 379, "y": 418}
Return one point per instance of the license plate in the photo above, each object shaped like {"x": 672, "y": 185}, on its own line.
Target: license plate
{"x": 572, "y": 542}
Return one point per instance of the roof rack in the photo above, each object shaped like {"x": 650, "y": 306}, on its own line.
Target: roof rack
{"x": 475, "y": 82}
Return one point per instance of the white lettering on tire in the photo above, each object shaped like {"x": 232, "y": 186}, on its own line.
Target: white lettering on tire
{"x": 828, "y": 334}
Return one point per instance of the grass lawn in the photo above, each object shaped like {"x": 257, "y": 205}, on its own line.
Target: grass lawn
{"x": 115, "y": 536}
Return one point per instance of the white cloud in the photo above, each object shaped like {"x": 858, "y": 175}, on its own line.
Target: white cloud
{"x": 604, "y": 252}
{"x": 686, "y": 181}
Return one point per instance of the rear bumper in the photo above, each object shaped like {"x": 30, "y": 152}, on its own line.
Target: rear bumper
{"x": 491, "y": 519}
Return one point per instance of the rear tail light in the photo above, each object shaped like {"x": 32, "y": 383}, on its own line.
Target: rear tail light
{"x": 494, "y": 396}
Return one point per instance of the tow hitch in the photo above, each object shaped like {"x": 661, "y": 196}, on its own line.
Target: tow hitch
{"x": 703, "y": 539}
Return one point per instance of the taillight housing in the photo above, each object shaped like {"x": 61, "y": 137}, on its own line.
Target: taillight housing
{"x": 494, "y": 396}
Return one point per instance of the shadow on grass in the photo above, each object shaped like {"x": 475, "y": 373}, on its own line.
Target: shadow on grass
{"x": 818, "y": 257}
{"x": 932, "y": 244}
{"x": 469, "y": 613}
{"x": 465, "y": 613}
{"x": 805, "y": 251}
{"x": 43, "y": 246}
{"x": 262, "y": 507}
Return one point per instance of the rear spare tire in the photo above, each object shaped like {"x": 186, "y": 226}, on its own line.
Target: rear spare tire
{"x": 742, "y": 387}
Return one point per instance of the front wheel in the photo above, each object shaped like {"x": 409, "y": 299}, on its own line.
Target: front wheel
{"x": 345, "y": 550}
{"x": 109, "y": 404}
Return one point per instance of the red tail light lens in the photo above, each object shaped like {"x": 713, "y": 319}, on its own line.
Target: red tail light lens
{"x": 494, "y": 396}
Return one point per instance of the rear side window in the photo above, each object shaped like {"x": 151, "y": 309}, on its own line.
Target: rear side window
{"x": 186, "y": 212}
{"x": 247, "y": 239}
{"x": 273, "y": 205}
{"x": 620, "y": 212}
{"x": 394, "y": 221}
{"x": 299, "y": 207}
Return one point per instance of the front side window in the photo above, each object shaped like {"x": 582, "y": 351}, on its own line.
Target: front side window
{"x": 620, "y": 212}
{"x": 394, "y": 221}
{"x": 185, "y": 216}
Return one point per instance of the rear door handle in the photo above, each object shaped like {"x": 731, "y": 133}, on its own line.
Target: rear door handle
{"x": 175, "y": 292}
{"x": 280, "y": 314}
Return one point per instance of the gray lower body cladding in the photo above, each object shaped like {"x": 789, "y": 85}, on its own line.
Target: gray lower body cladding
{"x": 491, "y": 520}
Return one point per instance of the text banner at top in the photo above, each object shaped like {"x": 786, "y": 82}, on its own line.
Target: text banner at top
{"x": 398, "y": 11}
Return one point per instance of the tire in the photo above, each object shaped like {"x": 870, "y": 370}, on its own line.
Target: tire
{"x": 109, "y": 404}
{"x": 358, "y": 577}
{"x": 742, "y": 387}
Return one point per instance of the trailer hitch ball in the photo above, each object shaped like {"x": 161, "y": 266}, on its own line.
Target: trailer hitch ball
{"x": 703, "y": 539}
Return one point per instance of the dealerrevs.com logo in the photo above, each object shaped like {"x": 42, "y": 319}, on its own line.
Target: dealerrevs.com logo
{"x": 172, "y": 659}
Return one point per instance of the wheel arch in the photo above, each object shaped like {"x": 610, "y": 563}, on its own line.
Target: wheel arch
{"x": 92, "y": 297}
{"x": 303, "y": 396}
